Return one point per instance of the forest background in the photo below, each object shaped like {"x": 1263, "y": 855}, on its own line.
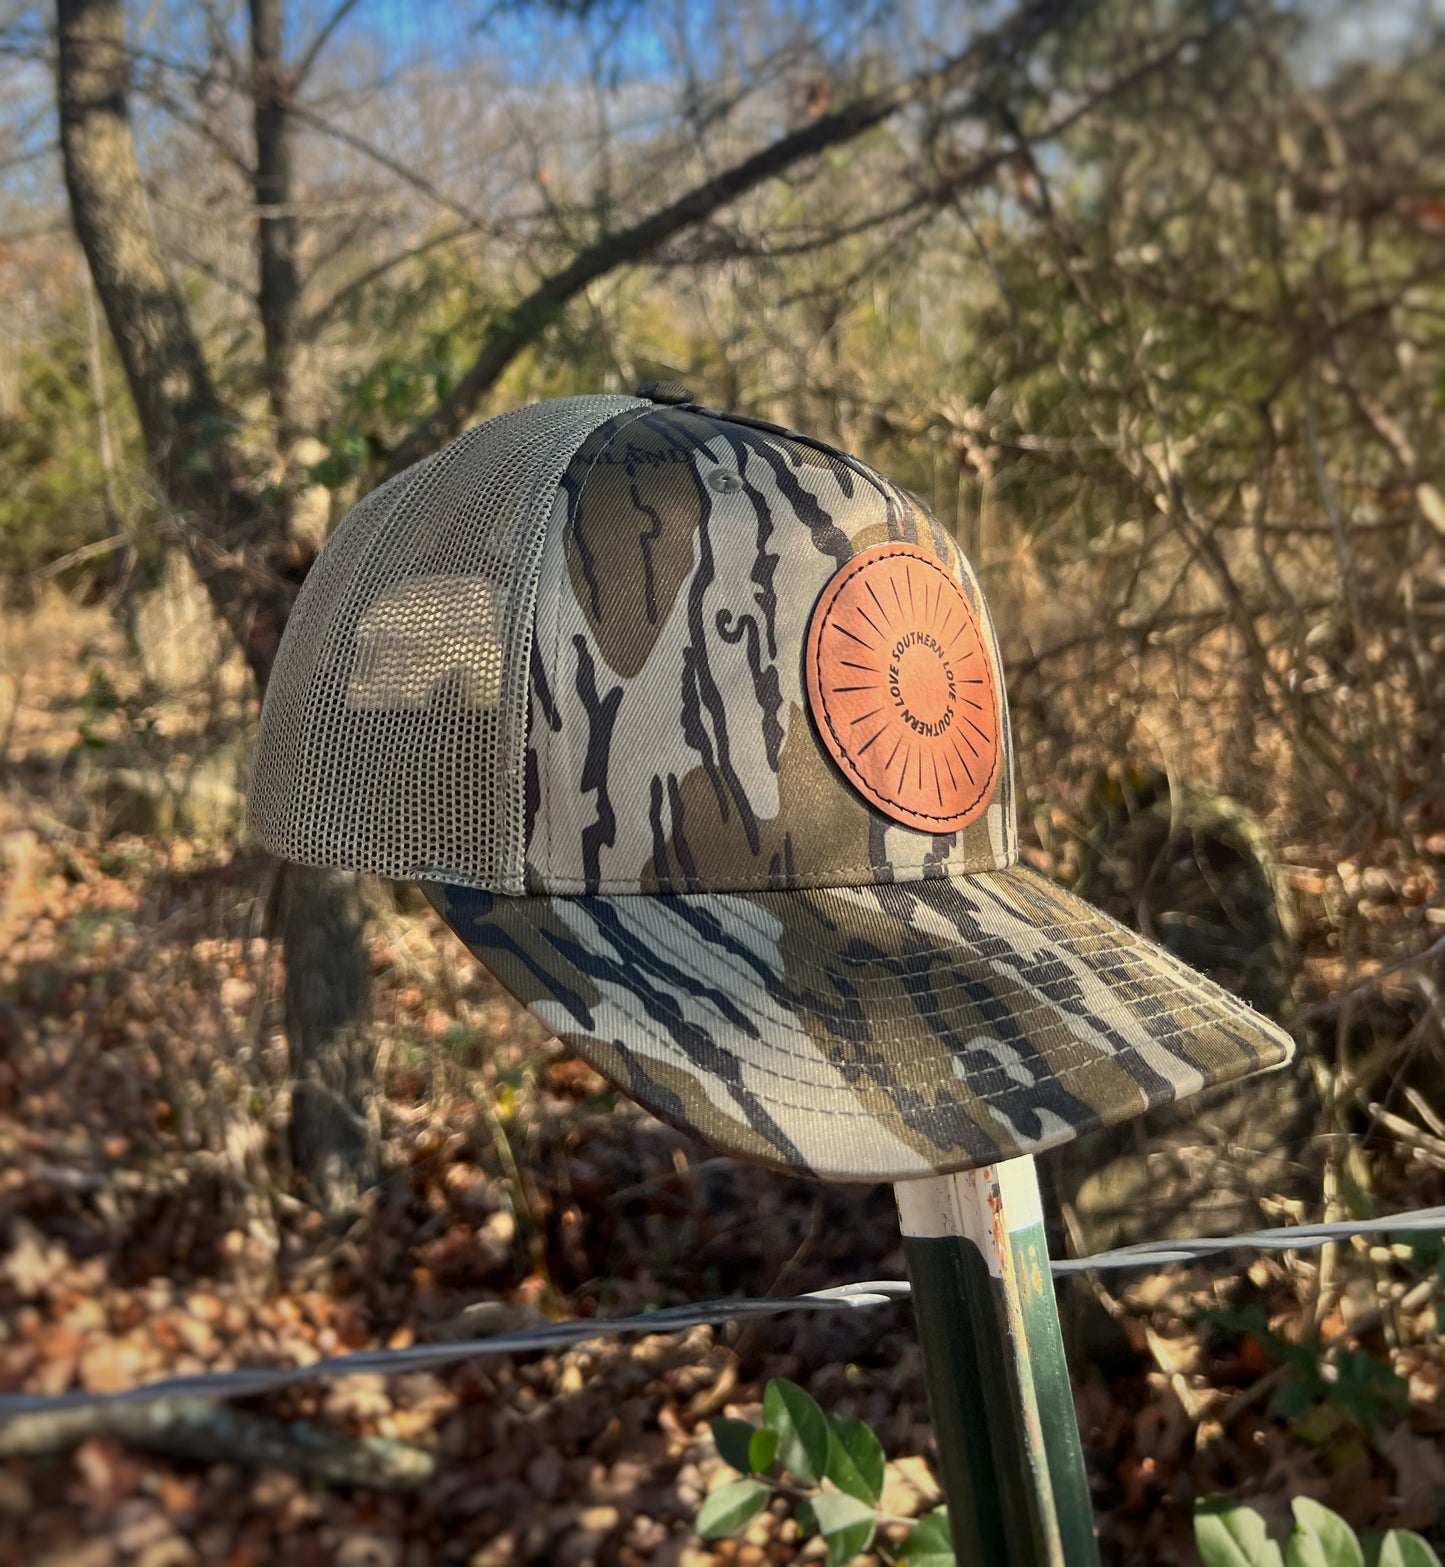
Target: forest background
{"x": 1144, "y": 297}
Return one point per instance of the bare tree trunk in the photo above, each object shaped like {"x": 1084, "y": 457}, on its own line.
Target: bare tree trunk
{"x": 333, "y": 1054}
{"x": 322, "y": 921}
{"x": 236, "y": 541}
{"x": 280, "y": 286}
{"x": 188, "y": 433}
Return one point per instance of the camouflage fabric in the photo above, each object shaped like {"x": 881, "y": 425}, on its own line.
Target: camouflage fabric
{"x": 705, "y": 905}
{"x": 869, "y": 1033}
{"x": 670, "y": 747}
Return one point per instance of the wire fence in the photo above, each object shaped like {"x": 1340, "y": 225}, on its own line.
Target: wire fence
{"x": 247, "y": 1382}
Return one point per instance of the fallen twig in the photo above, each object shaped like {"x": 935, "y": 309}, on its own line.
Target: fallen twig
{"x": 206, "y": 1430}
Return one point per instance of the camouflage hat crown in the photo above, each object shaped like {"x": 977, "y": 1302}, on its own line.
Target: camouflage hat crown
{"x": 695, "y": 730}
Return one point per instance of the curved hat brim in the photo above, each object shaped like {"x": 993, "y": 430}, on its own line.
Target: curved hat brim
{"x": 869, "y": 1033}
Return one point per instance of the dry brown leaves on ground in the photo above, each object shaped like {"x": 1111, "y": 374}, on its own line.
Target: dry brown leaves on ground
{"x": 149, "y": 1226}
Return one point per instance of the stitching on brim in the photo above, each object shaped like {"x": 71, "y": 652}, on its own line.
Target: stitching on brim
{"x": 943, "y": 1013}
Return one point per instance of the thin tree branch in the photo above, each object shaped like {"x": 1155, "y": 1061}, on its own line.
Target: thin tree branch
{"x": 200, "y": 125}
{"x": 30, "y": 155}
{"x": 324, "y": 314}
{"x": 319, "y": 42}
{"x": 418, "y": 182}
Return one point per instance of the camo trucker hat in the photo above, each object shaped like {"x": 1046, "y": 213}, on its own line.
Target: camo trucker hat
{"x": 694, "y": 730}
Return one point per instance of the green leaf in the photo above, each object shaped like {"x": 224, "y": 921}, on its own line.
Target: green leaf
{"x": 1402, "y": 1548}
{"x": 855, "y": 1460}
{"x": 332, "y": 471}
{"x": 932, "y": 1532}
{"x": 845, "y": 1523}
{"x": 1293, "y": 1401}
{"x": 731, "y": 1507}
{"x": 1228, "y": 1534}
{"x": 803, "y": 1439}
{"x": 1321, "y": 1538}
{"x": 807, "y": 1523}
{"x": 734, "y": 1440}
{"x": 762, "y": 1449}
{"x": 928, "y": 1558}
{"x": 931, "y": 1542}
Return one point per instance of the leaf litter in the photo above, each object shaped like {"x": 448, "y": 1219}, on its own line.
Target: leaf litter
{"x": 150, "y": 1227}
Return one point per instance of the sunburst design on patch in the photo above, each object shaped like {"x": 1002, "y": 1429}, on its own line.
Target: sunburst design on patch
{"x": 902, "y": 689}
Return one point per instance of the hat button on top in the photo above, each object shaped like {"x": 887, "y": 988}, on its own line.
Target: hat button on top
{"x": 665, "y": 392}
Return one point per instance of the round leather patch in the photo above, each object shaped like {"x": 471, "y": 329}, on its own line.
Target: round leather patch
{"x": 902, "y": 690}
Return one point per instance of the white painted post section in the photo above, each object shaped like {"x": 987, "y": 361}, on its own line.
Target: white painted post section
{"x": 1003, "y": 1413}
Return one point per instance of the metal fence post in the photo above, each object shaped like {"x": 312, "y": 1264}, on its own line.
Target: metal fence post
{"x": 1008, "y": 1438}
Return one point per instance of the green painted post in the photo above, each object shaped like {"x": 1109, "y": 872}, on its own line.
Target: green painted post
{"x": 1008, "y": 1438}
